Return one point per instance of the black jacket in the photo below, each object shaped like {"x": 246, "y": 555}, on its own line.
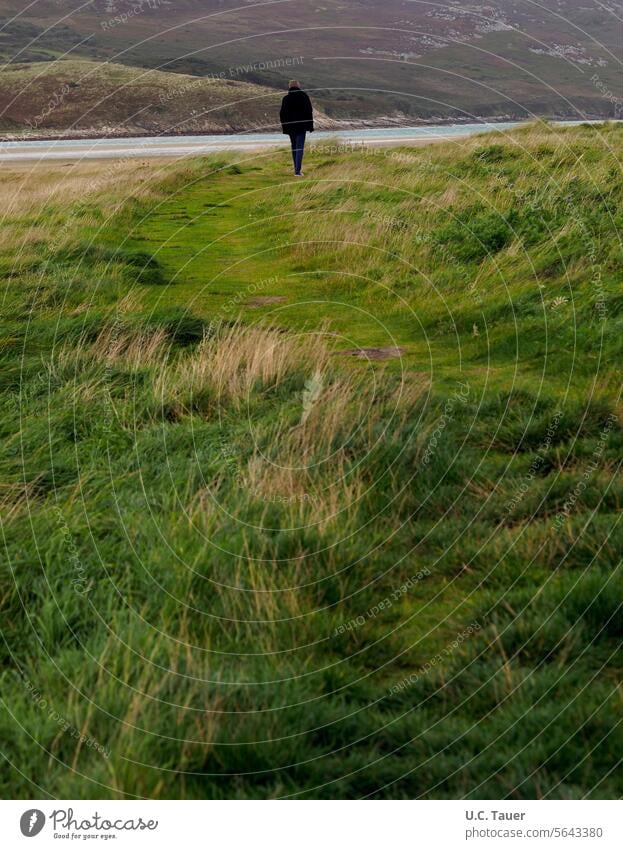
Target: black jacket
{"x": 296, "y": 113}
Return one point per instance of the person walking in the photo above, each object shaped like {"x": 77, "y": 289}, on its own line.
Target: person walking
{"x": 297, "y": 119}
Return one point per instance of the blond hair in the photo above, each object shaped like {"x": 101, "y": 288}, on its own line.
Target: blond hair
{"x": 294, "y": 84}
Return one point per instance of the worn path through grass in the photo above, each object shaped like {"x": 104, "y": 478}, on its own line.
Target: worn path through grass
{"x": 231, "y": 238}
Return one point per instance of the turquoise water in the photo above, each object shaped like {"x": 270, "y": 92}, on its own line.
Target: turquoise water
{"x": 385, "y": 133}
{"x": 183, "y": 145}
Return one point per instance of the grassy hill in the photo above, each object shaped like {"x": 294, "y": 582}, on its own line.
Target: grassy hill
{"x": 312, "y": 487}
{"x": 360, "y": 58}
{"x": 81, "y": 97}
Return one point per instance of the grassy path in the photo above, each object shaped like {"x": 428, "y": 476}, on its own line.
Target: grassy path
{"x": 220, "y": 251}
{"x": 231, "y": 239}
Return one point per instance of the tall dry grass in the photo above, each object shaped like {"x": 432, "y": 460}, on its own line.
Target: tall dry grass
{"x": 233, "y": 359}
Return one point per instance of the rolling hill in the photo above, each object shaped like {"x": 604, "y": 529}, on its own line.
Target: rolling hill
{"x": 246, "y": 557}
{"x": 85, "y": 98}
{"x": 362, "y": 59}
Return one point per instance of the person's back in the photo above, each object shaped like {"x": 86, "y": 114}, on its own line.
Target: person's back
{"x": 297, "y": 119}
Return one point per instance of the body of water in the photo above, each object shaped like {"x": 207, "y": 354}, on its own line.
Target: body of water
{"x": 179, "y": 146}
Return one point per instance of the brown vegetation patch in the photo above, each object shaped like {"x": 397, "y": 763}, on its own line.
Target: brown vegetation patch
{"x": 373, "y": 353}
{"x": 264, "y": 301}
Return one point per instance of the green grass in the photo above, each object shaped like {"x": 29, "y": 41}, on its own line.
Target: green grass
{"x": 243, "y": 565}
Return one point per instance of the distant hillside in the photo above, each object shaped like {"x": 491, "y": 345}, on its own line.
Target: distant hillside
{"x": 361, "y": 58}
{"x": 82, "y": 98}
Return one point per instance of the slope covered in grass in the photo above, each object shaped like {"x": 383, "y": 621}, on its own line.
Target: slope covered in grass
{"x": 361, "y": 58}
{"x": 81, "y": 97}
{"x": 240, "y": 561}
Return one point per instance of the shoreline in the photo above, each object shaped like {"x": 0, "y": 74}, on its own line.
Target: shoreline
{"x": 323, "y": 125}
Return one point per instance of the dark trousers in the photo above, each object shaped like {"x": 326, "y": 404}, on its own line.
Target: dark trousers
{"x": 297, "y": 140}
